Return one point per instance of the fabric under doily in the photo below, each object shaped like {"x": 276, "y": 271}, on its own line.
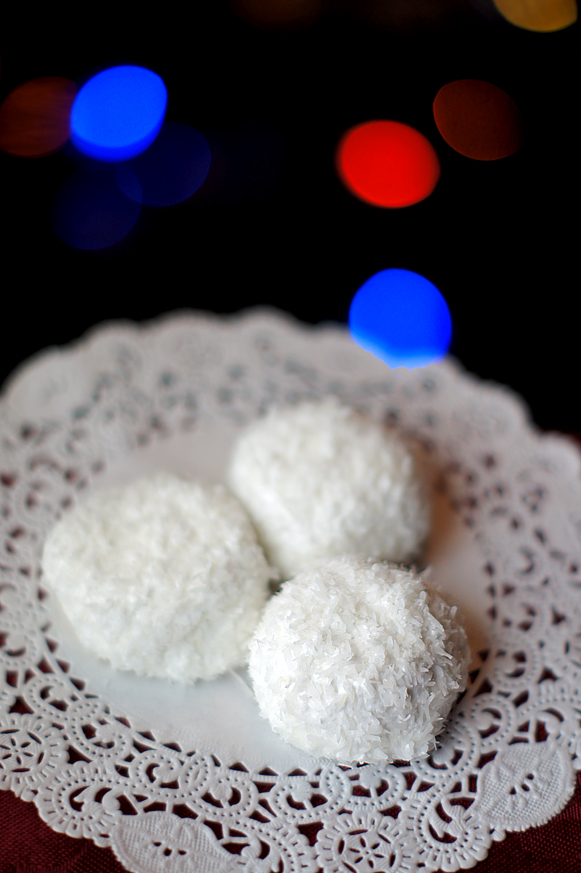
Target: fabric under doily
{"x": 168, "y": 775}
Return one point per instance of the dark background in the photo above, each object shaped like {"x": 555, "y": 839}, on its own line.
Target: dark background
{"x": 273, "y": 225}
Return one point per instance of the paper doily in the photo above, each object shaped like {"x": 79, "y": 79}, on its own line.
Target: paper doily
{"x": 189, "y": 778}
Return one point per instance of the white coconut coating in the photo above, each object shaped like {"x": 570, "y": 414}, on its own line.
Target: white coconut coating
{"x": 321, "y": 480}
{"x": 162, "y": 576}
{"x": 358, "y": 661}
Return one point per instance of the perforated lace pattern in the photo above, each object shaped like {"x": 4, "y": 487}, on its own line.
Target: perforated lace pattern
{"x": 507, "y": 759}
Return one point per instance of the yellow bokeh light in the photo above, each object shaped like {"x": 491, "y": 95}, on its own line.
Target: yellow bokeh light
{"x": 543, "y": 16}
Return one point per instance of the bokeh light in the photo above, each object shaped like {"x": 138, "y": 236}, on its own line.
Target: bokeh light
{"x": 387, "y": 163}
{"x": 34, "y": 118}
{"x": 90, "y": 211}
{"x": 478, "y": 120}
{"x": 171, "y": 169}
{"x": 118, "y": 113}
{"x": 543, "y": 16}
{"x": 401, "y": 318}
{"x": 278, "y": 13}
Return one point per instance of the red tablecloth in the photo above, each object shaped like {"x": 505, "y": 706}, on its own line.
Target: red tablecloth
{"x": 28, "y": 845}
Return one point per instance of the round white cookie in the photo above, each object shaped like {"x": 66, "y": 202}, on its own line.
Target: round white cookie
{"x": 321, "y": 480}
{"x": 162, "y": 576}
{"x": 358, "y": 661}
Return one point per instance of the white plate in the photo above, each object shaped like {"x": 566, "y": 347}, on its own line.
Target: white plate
{"x": 505, "y": 546}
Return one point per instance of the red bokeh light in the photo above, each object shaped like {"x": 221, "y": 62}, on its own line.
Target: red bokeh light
{"x": 34, "y": 118}
{"x": 478, "y": 120}
{"x": 387, "y": 163}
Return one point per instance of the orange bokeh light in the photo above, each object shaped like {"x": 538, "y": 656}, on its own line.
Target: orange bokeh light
{"x": 278, "y": 13}
{"x": 478, "y": 120}
{"x": 541, "y": 16}
{"x": 387, "y": 163}
{"x": 34, "y": 118}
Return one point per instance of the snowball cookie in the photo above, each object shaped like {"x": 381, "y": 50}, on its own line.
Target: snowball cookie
{"x": 358, "y": 661}
{"x": 162, "y": 576}
{"x": 320, "y": 480}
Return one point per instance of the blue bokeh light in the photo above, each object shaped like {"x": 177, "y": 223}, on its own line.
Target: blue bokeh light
{"x": 118, "y": 113}
{"x": 401, "y": 318}
{"x": 171, "y": 170}
{"x": 90, "y": 212}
